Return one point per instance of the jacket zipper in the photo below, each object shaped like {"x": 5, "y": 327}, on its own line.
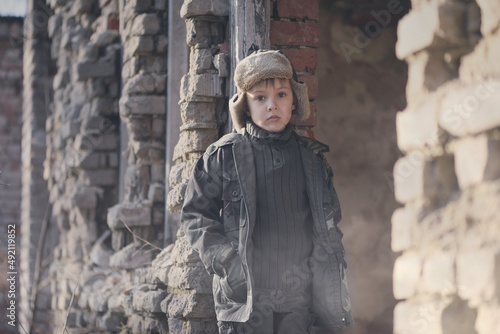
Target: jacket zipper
{"x": 247, "y": 225}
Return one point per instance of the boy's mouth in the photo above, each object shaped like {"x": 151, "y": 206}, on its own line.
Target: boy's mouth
{"x": 273, "y": 118}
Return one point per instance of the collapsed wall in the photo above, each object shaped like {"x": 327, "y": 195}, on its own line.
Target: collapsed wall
{"x": 105, "y": 87}
{"x": 203, "y": 103}
{"x": 447, "y": 231}
{"x": 82, "y": 158}
{"x": 104, "y": 224}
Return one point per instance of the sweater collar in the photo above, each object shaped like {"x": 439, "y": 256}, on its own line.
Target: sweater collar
{"x": 257, "y": 132}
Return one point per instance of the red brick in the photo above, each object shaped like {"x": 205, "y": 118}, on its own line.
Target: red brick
{"x": 224, "y": 47}
{"x": 312, "y": 85}
{"x": 113, "y": 23}
{"x": 303, "y": 60}
{"x": 299, "y": 9}
{"x": 295, "y": 33}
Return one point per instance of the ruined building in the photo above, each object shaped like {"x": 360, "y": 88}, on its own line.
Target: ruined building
{"x": 120, "y": 98}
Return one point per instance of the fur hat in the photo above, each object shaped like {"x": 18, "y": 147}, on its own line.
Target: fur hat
{"x": 262, "y": 65}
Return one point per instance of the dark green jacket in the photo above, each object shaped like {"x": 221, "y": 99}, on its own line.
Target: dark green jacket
{"x": 219, "y": 213}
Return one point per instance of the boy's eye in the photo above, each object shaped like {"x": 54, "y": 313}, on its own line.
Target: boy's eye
{"x": 281, "y": 94}
{"x": 260, "y": 98}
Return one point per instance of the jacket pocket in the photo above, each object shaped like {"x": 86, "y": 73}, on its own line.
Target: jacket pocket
{"x": 219, "y": 290}
{"x": 231, "y": 212}
{"x": 229, "y": 295}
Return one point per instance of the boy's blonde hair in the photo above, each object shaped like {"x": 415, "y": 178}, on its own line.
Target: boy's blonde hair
{"x": 260, "y": 66}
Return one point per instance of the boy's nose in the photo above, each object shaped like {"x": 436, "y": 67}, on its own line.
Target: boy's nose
{"x": 272, "y": 105}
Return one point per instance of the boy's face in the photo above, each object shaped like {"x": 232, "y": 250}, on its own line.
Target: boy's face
{"x": 271, "y": 105}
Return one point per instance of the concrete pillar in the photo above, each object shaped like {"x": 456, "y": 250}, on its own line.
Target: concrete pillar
{"x": 35, "y": 197}
{"x": 178, "y": 55}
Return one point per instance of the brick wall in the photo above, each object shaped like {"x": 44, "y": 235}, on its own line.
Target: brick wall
{"x": 204, "y": 114}
{"x": 295, "y": 31}
{"x": 11, "y": 48}
{"x": 447, "y": 231}
{"x": 137, "y": 221}
{"x": 109, "y": 87}
{"x": 203, "y": 101}
{"x": 81, "y": 166}
{"x": 142, "y": 112}
{"x": 106, "y": 64}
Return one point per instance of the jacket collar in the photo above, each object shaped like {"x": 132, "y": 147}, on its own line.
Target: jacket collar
{"x": 260, "y": 134}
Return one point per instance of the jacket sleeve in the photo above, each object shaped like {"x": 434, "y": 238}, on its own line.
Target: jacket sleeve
{"x": 200, "y": 216}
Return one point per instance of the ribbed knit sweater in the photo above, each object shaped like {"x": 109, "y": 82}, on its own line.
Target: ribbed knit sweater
{"x": 282, "y": 236}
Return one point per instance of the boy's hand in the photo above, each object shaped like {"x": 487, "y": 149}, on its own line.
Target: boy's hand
{"x": 236, "y": 287}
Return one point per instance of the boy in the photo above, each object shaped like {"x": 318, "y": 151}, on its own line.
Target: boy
{"x": 261, "y": 211}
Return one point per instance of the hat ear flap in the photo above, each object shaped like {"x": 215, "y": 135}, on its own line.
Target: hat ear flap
{"x": 302, "y": 108}
{"x": 237, "y": 108}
